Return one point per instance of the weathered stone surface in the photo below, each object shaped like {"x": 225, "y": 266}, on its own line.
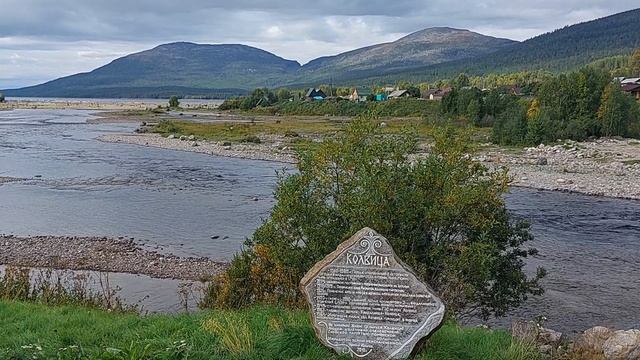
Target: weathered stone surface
{"x": 367, "y": 303}
{"x": 622, "y": 345}
{"x": 593, "y": 339}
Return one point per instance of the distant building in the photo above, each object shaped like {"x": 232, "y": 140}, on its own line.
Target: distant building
{"x": 633, "y": 89}
{"x": 381, "y": 97}
{"x": 354, "y": 95}
{"x": 435, "y": 94}
{"x": 315, "y": 94}
{"x": 396, "y": 94}
{"x": 626, "y": 81}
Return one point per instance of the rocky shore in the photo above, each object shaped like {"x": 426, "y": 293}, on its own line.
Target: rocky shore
{"x": 272, "y": 148}
{"x": 6, "y": 179}
{"x": 603, "y": 167}
{"x": 102, "y": 254}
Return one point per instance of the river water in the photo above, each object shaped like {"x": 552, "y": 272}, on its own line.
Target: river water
{"x": 177, "y": 201}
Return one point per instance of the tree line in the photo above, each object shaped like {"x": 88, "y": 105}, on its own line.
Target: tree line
{"x": 582, "y": 104}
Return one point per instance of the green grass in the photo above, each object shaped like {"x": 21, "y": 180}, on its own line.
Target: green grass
{"x": 33, "y": 331}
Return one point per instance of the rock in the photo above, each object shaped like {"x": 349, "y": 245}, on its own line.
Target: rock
{"x": 549, "y": 337}
{"x": 195, "y": 144}
{"x": 191, "y": 137}
{"x": 591, "y": 340}
{"x": 541, "y": 161}
{"x": 622, "y": 345}
{"x": 182, "y": 137}
{"x": 383, "y": 124}
{"x": 171, "y": 136}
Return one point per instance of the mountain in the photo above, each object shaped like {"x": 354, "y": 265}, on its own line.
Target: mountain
{"x": 561, "y": 50}
{"x": 419, "y": 49}
{"x": 435, "y": 53}
{"x": 227, "y": 70}
{"x": 176, "y": 68}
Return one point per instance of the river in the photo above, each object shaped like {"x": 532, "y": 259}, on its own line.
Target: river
{"x": 195, "y": 204}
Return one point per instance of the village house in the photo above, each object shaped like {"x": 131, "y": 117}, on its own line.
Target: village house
{"x": 633, "y": 89}
{"x": 630, "y": 86}
{"x": 315, "y": 94}
{"x": 396, "y": 94}
{"x": 435, "y": 94}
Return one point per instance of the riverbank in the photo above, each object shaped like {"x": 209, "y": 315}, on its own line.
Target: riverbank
{"x": 603, "y": 167}
{"x": 271, "y": 148}
{"x": 74, "y": 332}
{"x": 102, "y": 254}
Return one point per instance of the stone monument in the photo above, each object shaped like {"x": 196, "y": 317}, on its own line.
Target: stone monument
{"x": 367, "y": 303}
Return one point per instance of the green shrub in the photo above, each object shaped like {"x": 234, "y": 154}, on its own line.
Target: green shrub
{"x": 251, "y": 139}
{"x": 443, "y": 214}
{"x": 174, "y": 102}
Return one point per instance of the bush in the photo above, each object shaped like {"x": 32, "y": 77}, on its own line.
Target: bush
{"x": 174, "y": 102}
{"x": 443, "y": 214}
{"x": 251, "y": 139}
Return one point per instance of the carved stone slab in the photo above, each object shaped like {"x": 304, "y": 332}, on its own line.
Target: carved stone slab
{"x": 367, "y": 303}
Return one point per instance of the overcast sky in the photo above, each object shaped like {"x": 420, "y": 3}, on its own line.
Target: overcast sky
{"x": 42, "y": 39}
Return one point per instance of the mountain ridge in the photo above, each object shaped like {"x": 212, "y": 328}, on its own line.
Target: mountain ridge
{"x": 433, "y": 53}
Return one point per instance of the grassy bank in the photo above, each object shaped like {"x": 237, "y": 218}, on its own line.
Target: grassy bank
{"x": 390, "y": 108}
{"x": 32, "y": 331}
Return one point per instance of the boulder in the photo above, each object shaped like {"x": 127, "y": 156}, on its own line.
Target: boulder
{"x": 191, "y": 137}
{"x": 622, "y": 345}
{"x": 592, "y": 340}
{"x": 171, "y": 136}
{"x": 542, "y": 161}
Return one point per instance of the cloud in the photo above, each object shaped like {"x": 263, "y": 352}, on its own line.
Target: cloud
{"x": 41, "y": 39}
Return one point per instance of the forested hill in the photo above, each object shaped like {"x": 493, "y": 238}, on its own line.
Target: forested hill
{"x": 177, "y": 68}
{"x": 425, "y": 47}
{"x": 561, "y": 50}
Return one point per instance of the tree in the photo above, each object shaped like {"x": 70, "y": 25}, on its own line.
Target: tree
{"x": 413, "y": 91}
{"x": 174, "y": 102}
{"x": 510, "y": 127}
{"x": 614, "y": 111}
{"x": 443, "y": 213}
{"x": 284, "y": 94}
{"x": 634, "y": 64}
{"x": 462, "y": 80}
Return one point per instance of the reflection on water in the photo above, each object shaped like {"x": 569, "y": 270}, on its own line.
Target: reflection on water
{"x": 180, "y": 200}
{"x": 149, "y": 295}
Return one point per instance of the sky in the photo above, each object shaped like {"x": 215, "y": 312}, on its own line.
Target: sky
{"x": 41, "y": 40}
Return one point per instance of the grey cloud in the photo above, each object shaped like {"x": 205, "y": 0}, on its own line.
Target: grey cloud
{"x": 68, "y": 36}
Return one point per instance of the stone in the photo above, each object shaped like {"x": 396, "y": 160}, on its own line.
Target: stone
{"x": 171, "y": 136}
{"x": 191, "y": 137}
{"x": 542, "y": 161}
{"x": 622, "y": 345}
{"x": 592, "y": 339}
{"x": 367, "y": 303}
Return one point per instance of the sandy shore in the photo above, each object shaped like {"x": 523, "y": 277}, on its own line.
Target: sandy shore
{"x": 273, "y": 149}
{"x": 102, "y": 254}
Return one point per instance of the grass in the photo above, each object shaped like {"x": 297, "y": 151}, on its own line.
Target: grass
{"x": 36, "y": 331}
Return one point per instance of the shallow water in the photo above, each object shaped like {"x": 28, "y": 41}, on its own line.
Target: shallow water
{"x": 179, "y": 200}
{"x": 81, "y": 186}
